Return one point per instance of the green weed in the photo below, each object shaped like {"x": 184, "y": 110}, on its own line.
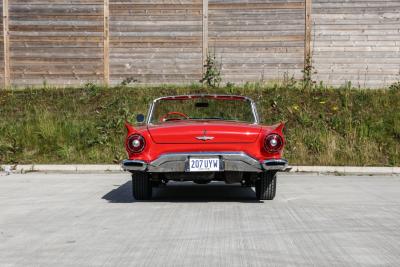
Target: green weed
{"x": 324, "y": 126}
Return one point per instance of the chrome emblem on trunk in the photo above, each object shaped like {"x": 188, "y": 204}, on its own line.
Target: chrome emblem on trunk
{"x": 205, "y": 137}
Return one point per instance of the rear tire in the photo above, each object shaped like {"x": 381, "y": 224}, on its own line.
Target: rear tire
{"x": 266, "y": 186}
{"x": 141, "y": 186}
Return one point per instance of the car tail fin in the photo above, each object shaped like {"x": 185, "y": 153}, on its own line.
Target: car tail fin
{"x": 129, "y": 127}
{"x": 279, "y": 127}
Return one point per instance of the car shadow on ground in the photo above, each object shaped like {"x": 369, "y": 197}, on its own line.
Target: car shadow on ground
{"x": 187, "y": 192}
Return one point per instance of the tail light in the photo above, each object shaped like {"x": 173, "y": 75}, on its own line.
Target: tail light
{"x": 273, "y": 143}
{"x": 135, "y": 143}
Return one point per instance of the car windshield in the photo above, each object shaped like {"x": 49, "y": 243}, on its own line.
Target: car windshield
{"x": 202, "y": 108}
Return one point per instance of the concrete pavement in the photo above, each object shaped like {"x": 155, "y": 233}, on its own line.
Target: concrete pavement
{"x": 101, "y": 168}
{"x": 92, "y": 220}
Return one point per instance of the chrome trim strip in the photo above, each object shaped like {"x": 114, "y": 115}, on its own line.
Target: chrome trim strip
{"x": 205, "y": 138}
{"x": 150, "y": 113}
{"x": 255, "y": 113}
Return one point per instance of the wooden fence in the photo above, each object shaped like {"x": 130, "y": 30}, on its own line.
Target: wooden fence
{"x": 357, "y": 41}
{"x": 167, "y": 41}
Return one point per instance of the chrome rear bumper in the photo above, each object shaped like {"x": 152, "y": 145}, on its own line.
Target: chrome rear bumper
{"x": 229, "y": 161}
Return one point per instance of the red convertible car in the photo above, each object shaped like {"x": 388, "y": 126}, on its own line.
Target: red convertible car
{"x": 204, "y": 138}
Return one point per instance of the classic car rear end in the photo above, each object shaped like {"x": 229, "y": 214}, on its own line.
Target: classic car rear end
{"x": 204, "y": 138}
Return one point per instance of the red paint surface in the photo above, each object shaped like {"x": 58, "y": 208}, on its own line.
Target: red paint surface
{"x": 180, "y": 136}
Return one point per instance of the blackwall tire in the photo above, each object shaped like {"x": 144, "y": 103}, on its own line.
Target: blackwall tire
{"x": 141, "y": 186}
{"x": 266, "y": 186}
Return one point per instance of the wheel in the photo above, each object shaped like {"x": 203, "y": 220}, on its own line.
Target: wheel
{"x": 202, "y": 181}
{"x": 266, "y": 186}
{"x": 141, "y": 186}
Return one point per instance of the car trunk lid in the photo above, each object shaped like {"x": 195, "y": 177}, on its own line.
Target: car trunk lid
{"x": 192, "y": 132}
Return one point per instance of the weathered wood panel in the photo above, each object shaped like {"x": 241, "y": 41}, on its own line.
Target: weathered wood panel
{"x": 164, "y": 41}
{"x": 1, "y": 46}
{"x": 56, "y": 42}
{"x": 257, "y": 40}
{"x": 357, "y": 41}
{"x": 106, "y": 42}
{"x": 156, "y": 41}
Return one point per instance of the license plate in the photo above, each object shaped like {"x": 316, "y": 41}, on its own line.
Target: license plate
{"x": 203, "y": 164}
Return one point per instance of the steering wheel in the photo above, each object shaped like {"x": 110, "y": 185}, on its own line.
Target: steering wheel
{"x": 164, "y": 118}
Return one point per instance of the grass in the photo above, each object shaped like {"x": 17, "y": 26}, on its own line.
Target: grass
{"x": 325, "y": 126}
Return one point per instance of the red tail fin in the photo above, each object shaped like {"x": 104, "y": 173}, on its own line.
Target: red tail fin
{"x": 279, "y": 127}
{"x": 129, "y": 127}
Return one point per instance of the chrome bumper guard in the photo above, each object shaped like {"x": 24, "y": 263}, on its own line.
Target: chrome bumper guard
{"x": 275, "y": 164}
{"x": 134, "y": 165}
{"x": 229, "y": 161}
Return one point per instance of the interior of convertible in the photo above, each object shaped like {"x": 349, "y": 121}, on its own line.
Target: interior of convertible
{"x": 202, "y": 108}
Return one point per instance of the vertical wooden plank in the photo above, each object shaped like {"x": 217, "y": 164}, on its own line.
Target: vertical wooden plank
{"x": 106, "y": 44}
{"x": 205, "y": 33}
{"x": 307, "y": 34}
{"x": 6, "y": 45}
